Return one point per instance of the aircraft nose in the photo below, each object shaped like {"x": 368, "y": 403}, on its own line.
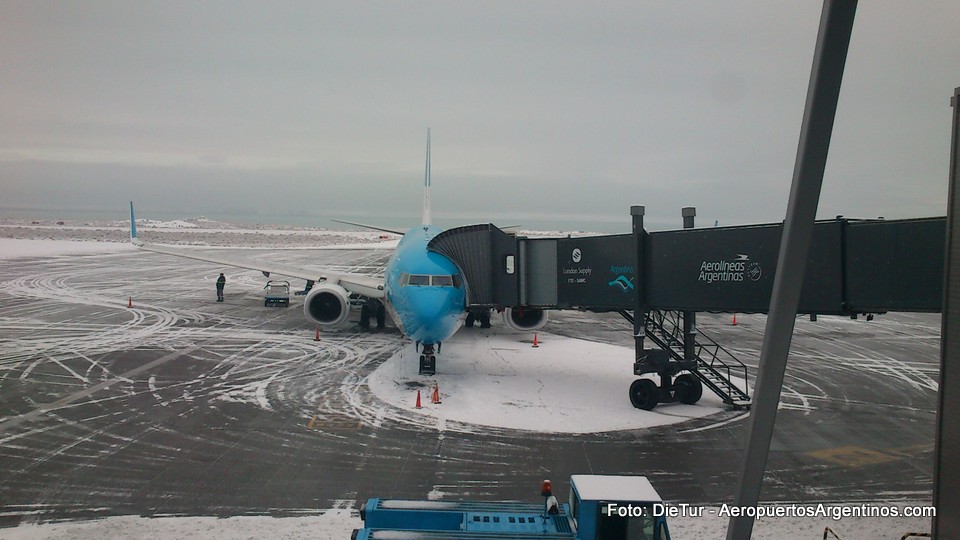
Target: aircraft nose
{"x": 438, "y": 310}
{"x": 431, "y": 305}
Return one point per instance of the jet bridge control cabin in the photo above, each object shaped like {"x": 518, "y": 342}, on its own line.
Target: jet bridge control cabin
{"x": 856, "y": 267}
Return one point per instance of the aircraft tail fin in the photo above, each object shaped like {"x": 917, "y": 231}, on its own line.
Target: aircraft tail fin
{"x": 133, "y": 226}
{"x": 426, "y": 185}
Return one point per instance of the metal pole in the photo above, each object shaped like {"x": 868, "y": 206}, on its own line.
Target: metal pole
{"x": 689, "y": 317}
{"x": 946, "y": 460}
{"x": 639, "y": 308}
{"x": 823, "y": 92}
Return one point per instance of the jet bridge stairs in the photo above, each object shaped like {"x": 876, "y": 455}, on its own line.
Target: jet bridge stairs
{"x": 713, "y": 366}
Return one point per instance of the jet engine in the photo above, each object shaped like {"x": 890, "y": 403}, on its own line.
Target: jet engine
{"x": 327, "y": 305}
{"x": 525, "y": 318}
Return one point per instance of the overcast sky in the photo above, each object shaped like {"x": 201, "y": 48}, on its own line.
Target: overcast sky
{"x": 539, "y": 110}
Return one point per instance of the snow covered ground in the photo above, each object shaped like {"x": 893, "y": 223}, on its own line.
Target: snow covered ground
{"x": 12, "y": 248}
{"x": 497, "y": 378}
{"x": 332, "y": 524}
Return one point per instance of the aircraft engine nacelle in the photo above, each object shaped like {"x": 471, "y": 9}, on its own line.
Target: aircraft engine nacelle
{"x": 525, "y": 319}
{"x": 327, "y": 305}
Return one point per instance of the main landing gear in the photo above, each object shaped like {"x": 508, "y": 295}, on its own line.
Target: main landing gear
{"x": 482, "y": 316}
{"x": 373, "y": 309}
{"x": 428, "y": 360}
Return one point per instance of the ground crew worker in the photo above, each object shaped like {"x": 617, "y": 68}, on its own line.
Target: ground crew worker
{"x": 221, "y": 281}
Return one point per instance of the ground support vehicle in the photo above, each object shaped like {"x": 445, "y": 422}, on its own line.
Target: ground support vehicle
{"x": 278, "y": 293}
{"x": 601, "y": 507}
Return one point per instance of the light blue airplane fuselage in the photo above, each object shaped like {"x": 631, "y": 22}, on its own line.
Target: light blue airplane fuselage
{"x": 427, "y": 313}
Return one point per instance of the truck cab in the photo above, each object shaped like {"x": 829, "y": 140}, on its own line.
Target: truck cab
{"x": 616, "y": 508}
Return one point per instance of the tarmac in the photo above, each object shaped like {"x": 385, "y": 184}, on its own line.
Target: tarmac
{"x": 180, "y": 405}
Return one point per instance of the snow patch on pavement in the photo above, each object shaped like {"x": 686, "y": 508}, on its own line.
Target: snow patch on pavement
{"x": 14, "y": 248}
{"x": 329, "y": 524}
{"x": 495, "y": 378}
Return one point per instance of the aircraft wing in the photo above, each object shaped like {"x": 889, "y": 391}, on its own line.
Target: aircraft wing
{"x": 365, "y": 226}
{"x": 369, "y": 286}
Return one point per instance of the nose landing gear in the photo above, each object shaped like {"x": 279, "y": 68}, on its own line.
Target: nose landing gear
{"x": 428, "y": 361}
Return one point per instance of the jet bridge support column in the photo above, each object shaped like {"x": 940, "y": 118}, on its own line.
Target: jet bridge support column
{"x": 644, "y": 393}
{"x": 639, "y": 308}
{"x": 689, "y": 317}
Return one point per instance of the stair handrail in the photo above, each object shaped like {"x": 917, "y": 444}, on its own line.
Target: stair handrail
{"x": 667, "y": 340}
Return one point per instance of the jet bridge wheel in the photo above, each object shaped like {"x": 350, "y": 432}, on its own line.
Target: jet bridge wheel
{"x": 688, "y": 389}
{"x": 644, "y": 394}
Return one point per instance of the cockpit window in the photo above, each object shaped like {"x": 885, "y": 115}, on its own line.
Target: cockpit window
{"x": 428, "y": 280}
{"x": 441, "y": 281}
{"x": 418, "y": 279}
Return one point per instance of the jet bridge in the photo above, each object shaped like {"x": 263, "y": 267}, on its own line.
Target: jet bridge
{"x": 855, "y": 267}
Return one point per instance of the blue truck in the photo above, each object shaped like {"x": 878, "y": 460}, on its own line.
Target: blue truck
{"x": 601, "y": 507}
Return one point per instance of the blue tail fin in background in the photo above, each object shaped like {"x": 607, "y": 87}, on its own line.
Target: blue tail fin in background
{"x": 426, "y": 186}
{"x": 133, "y": 224}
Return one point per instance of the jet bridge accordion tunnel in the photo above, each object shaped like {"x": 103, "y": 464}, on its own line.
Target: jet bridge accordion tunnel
{"x": 855, "y": 267}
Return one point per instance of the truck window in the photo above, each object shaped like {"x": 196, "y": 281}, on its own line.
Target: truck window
{"x": 574, "y": 505}
{"x": 637, "y": 525}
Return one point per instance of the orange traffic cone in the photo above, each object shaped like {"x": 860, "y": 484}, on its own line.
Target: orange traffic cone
{"x": 535, "y": 342}
{"x": 435, "y": 398}
{"x": 418, "y": 399}
{"x": 316, "y": 337}
{"x": 734, "y": 319}
{"x": 129, "y": 301}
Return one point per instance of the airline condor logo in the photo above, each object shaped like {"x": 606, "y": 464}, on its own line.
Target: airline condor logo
{"x": 737, "y": 269}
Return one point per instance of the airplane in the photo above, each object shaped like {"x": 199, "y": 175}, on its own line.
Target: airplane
{"x": 423, "y": 291}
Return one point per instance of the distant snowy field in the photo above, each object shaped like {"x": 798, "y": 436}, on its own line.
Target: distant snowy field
{"x": 205, "y": 232}
{"x": 498, "y": 380}
{"x": 12, "y": 248}
{"x": 195, "y": 232}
